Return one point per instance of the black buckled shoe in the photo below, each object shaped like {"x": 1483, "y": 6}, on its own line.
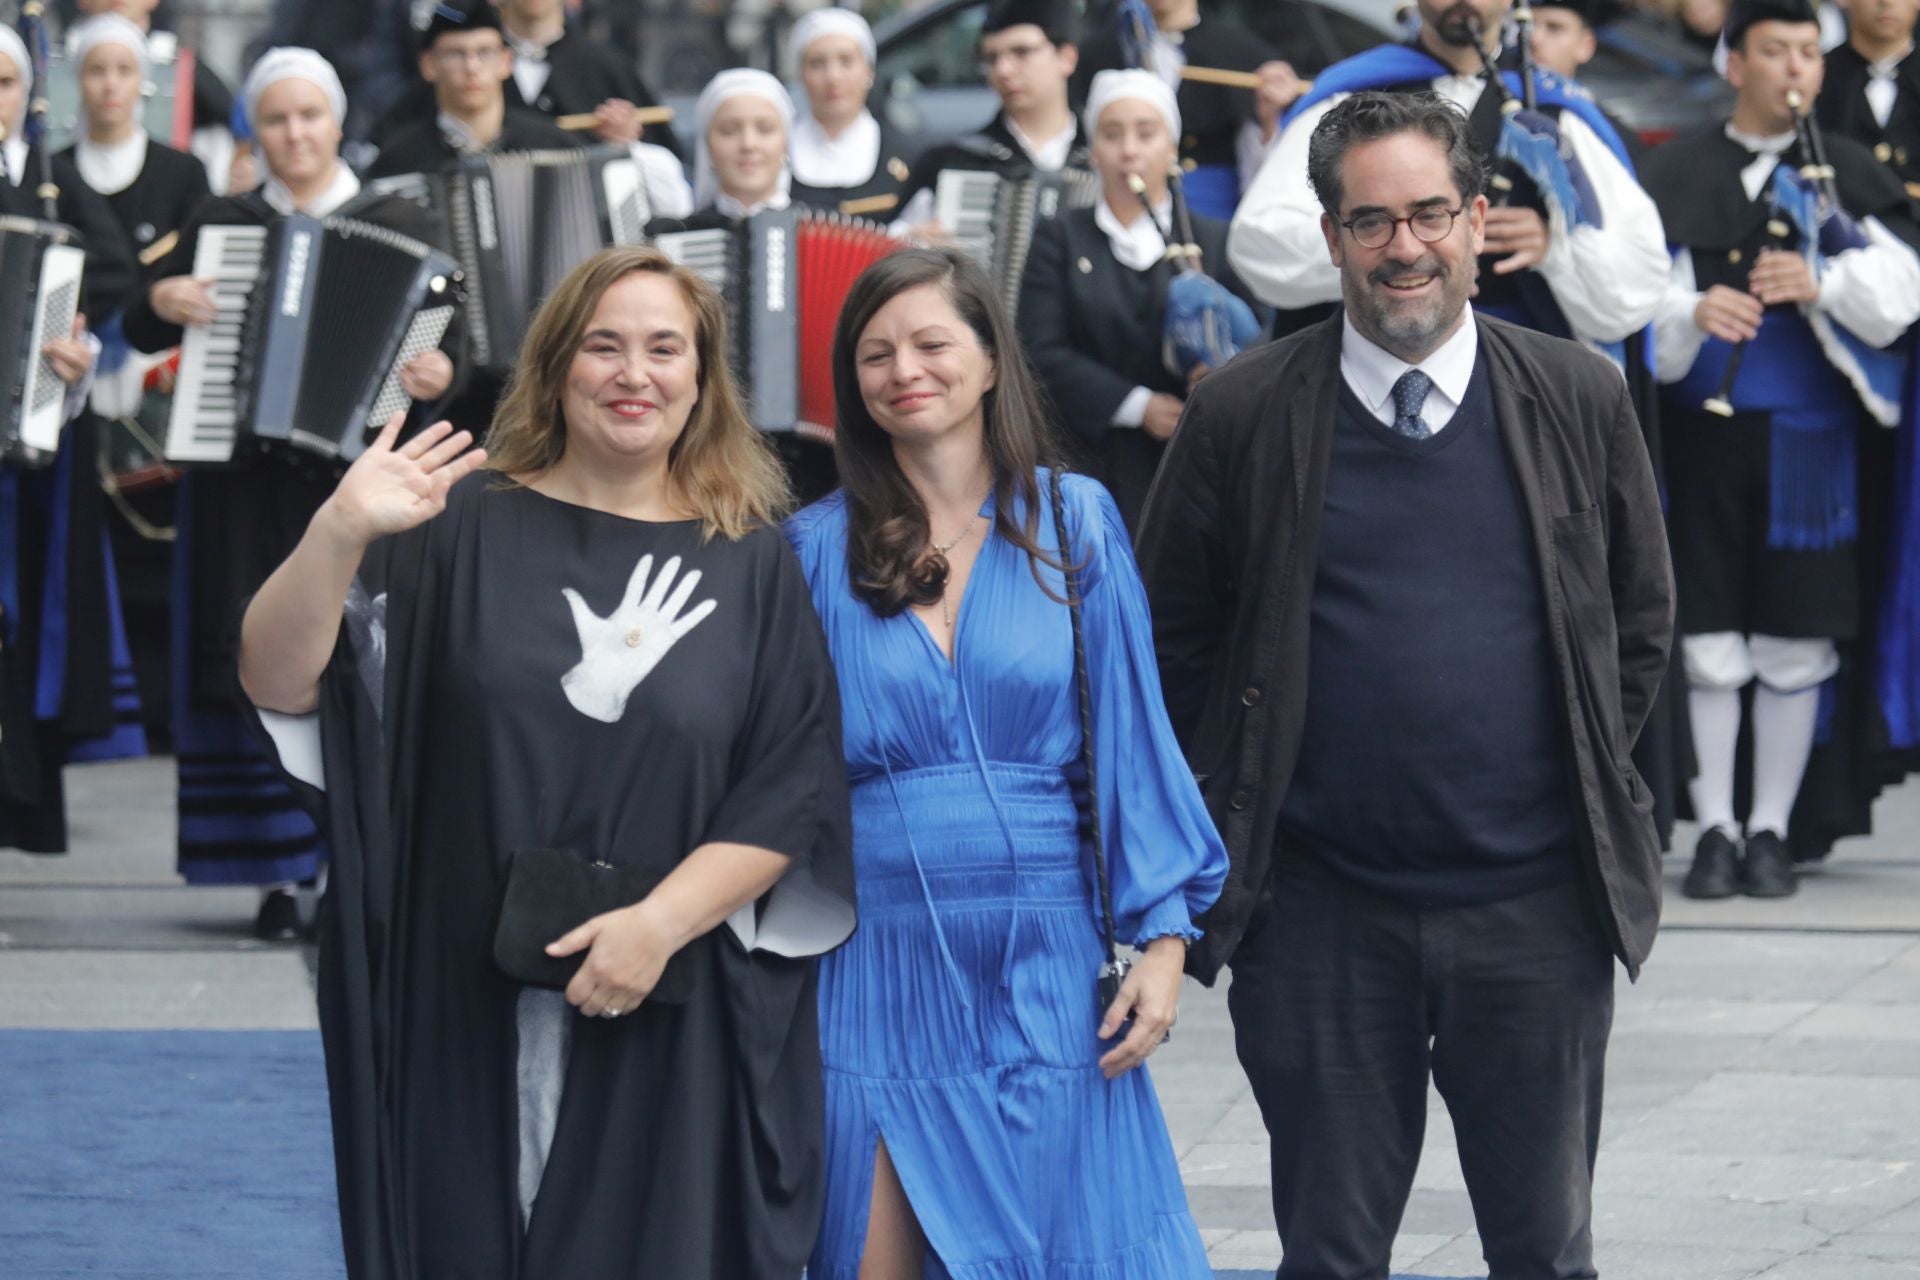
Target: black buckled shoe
{"x": 1715, "y": 872}
{"x": 279, "y": 918}
{"x": 1769, "y": 869}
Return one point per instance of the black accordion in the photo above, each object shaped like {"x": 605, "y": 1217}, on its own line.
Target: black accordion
{"x": 316, "y": 320}
{"x": 40, "y": 268}
{"x": 784, "y": 275}
{"x": 993, "y": 217}
{"x": 519, "y": 221}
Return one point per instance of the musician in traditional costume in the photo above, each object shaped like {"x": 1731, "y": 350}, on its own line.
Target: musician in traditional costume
{"x": 843, "y": 157}
{"x": 1093, "y": 303}
{"x": 65, "y": 683}
{"x": 1872, "y": 88}
{"x": 558, "y": 70}
{"x": 1226, "y": 129}
{"x": 464, "y": 57}
{"x": 1779, "y": 495}
{"x": 238, "y": 824}
{"x": 1589, "y": 263}
{"x": 229, "y": 165}
{"x": 593, "y": 666}
{"x": 151, "y": 189}
{"x": 1028, "y": 52}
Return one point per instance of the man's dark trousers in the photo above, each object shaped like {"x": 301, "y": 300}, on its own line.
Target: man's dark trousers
{"x": 1345, "y": 1001}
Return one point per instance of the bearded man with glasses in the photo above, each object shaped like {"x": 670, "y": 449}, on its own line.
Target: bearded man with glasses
{"x": 1412, "y": 602}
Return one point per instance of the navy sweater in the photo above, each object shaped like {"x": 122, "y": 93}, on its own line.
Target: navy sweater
{"x": 1434, "y": 765}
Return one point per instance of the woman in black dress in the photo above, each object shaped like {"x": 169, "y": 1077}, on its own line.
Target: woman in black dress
{"x": 1093, "y": 301}
{"x": 844, "y": 159}
{"x": 152, "y": 190}
{"x": 238, "y": 823}
{"x": 599, "y": 645}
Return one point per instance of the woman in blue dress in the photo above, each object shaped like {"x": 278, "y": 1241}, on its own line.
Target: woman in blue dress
{"x": 985, "y": 1119}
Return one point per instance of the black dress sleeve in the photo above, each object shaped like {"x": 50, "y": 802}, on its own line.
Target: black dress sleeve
{"x": 788, "y": 786}
{"x": 110, "y": 273}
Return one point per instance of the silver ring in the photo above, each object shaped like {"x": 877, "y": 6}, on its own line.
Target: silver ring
{"x": 609, "y": 1012}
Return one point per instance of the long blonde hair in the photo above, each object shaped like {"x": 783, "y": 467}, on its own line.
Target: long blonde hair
{"x": 721, "y": 468}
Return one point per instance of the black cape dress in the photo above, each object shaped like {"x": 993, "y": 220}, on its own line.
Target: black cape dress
{"x": 475, "y": 706}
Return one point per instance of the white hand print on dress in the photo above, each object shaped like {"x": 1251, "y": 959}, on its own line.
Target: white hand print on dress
{"x": 618, "y": 651}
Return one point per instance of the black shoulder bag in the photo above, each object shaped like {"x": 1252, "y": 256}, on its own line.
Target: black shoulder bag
{"x": 1114, "y": 971}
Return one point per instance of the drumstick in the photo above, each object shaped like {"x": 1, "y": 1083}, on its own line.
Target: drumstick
{"x": 159, "y": 248}
{"x": 1219, "y": 75}
{"x": 869, "y": 204}
{"x": 588, "y": 120}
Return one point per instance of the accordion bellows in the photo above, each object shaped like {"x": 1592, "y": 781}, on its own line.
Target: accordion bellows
{"x": 784, "y": 275}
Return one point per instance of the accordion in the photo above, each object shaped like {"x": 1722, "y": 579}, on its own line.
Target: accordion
{"x": 316, "y": 320}
{"x": 784, "y": 275}
{"x": 993, "y": 217}
{"x": 519, "y": 221}
{"x": 40, "y": 267}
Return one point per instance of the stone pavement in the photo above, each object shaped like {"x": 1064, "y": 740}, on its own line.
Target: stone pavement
{"x": 1763, "y": 1114}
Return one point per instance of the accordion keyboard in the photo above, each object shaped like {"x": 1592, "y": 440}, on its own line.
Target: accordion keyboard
{"x": 964, "y": 203}
{"x": 206, "y": 398}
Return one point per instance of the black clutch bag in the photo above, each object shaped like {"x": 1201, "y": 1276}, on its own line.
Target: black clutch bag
{"x": 550, "y": 893}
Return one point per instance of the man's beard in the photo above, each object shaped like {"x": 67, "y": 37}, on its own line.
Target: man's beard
{"x": 1415, "y": 328}
{"x": 1458, "y": 25}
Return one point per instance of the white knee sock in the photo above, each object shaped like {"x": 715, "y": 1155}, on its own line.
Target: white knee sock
{"x": 1716, "y": 731}
{"x": 1783, "y": 727}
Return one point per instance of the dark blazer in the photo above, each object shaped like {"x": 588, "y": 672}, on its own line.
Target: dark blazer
{"x": 1842, "y": 109}
{"x": 1228, "y": 549}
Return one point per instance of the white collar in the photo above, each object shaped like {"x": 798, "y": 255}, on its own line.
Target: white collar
{"x": 343, "y": 188}
{"x": 14, "y": 152}
{"x": 111, "y": 167}
{"x": 532, "y": 50}
{"x": 1889, "y": 67}
{"x": 457, "y": 132}
{"x": 732, "y": 208}
{"x": 820, "y": 160}
{"x": 1138, "y": 245}
{"x": 1371, "y": 370}
{"x": 1761, "y": 143}
{"x": 1049, "y": 154}
{"x": 1767, "y": 150}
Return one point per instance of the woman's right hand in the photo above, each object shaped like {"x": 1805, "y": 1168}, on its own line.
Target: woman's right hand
{"x": 184, "y": 300}
{"x": 388, "y": 490}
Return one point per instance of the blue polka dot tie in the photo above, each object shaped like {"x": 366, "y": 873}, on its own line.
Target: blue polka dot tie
{"x": 1409, "y": 393}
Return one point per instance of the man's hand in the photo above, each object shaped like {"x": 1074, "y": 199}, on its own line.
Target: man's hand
{"x": 1728, "y": 314}
{"x": 1163, "y": 415}
{"x": 427, "y": 376}
{"x": 1782, "y": 276}
{"x": 1279, "y": 88}
{"x": 619, "y": 122}
{"x": 1521, "y": 234}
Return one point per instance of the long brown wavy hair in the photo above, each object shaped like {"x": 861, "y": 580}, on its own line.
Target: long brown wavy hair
{"x": 723, "y": 470}
{"x": 889, "y": 537}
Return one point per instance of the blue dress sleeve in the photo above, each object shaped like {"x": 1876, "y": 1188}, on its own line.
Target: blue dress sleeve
{"x": 1164, "y": 855}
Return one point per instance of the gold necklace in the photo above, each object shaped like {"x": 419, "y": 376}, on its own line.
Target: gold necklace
{"x": 946, "y": 605}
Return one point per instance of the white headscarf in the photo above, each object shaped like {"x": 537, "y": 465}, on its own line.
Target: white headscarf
{"x": 110, "y": 28}
{"x": 721, "y": 89}
{"x": 829, "y": 21}
{"x": 1109, "y": 87}
{"x": 290, "y": 62}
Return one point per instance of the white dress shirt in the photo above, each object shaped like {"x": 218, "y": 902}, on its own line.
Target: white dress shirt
{"x": 1370, "y": 371}
{"x": 1607, "y": 278}
{"x": 1138, "y": 246}
{"x": 1883, "y": 84}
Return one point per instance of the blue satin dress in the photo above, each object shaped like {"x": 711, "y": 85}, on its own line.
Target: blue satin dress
{"x": 959, "y": 1022}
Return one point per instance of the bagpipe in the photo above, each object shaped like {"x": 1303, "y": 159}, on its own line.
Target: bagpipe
{"x": 1530, "y": 147}
{"x": 1805, "y": 216}
{"x": 1205, "y": 322}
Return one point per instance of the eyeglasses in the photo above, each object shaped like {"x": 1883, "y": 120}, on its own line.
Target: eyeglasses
{"x": 476, "y": 57}
{"x": 1013, "y": 53}
{"x": 1376, "y": 230}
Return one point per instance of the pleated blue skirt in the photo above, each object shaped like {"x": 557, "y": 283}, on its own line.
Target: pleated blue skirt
{"x": 959, "y": 1025}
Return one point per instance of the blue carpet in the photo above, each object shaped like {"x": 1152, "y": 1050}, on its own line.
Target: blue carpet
{"x": 163, "y": 1155}
{"x": 174, "y": 1155}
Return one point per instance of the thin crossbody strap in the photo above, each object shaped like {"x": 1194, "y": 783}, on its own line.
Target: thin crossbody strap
{"x": 1084, "y": 688}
